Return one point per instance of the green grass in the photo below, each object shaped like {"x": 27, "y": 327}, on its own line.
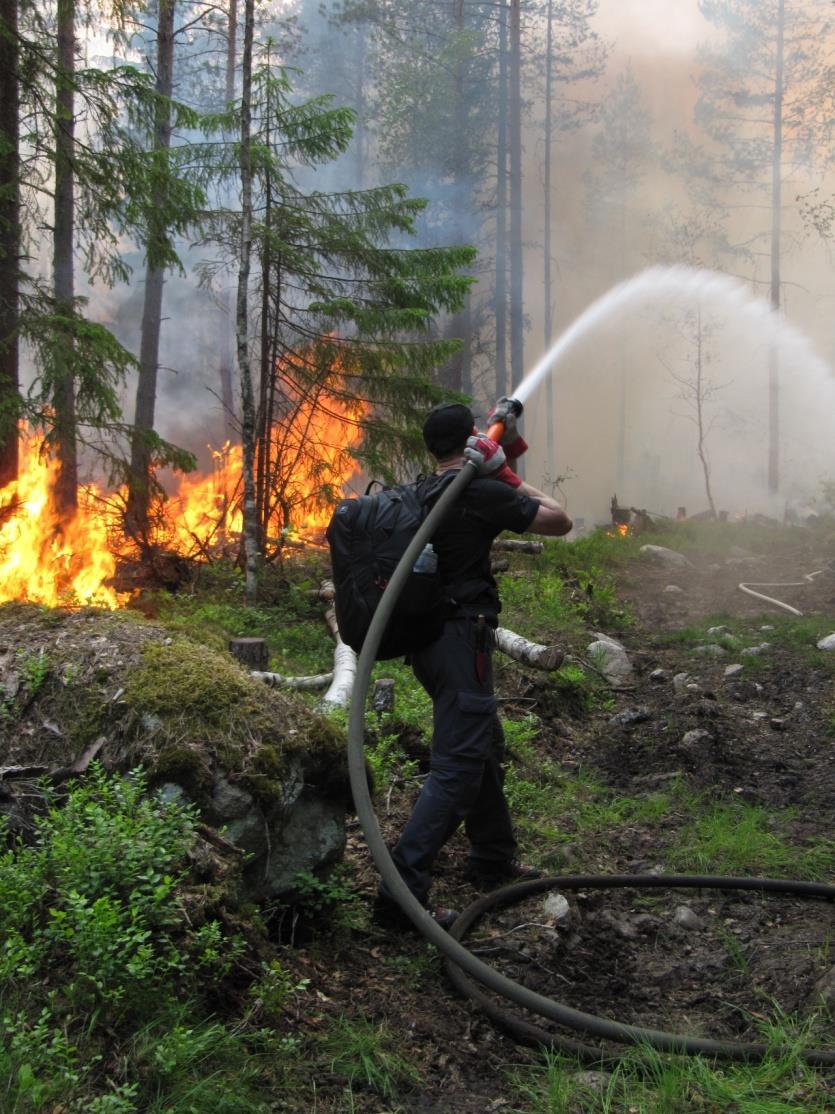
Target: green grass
{"x": 366, "y": 1053}
{"x": 799, "y": 634}
{"x": 740, "y": 839}
{"x": 648, "y": 1082}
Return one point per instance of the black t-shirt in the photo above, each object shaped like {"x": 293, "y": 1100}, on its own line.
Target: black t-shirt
{"x": 463, "y": 540}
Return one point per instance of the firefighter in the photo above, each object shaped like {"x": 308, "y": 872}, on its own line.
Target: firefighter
{"x": 465, "y": 782}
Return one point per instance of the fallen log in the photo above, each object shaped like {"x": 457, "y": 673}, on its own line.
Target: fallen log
{"x": 520, "y": 649}
{"x": 280, "y": 681}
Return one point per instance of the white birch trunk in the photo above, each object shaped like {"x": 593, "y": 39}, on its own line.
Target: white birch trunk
{"x": 279, "y": 681}
{"x": 344, "y": 668}
{"x": 529, "y": 653}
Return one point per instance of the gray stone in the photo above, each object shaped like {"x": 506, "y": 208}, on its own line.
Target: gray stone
{"x": 658, "y": 675}
{"x": 600, "y": 637}
{"x": 593, "y": 1080}
{"x": 680, "y": 681}
{"x": 684, "y": 916}
{"x": 714, "y": 632}
{"x": 754, "y": 651}
{"x": 695, "y": 738}
{"x": 663, "y": 556}
{"x": 629, "y": 716}
{"x": 827, "y": 643}
{"x": 711, "y": 650}
{"x": 312, "y": 836}
{"x": 674, "y": 589}
{"x": 733, "y": 670}
{"x": 301, "y": 830}
{"x": 612, "y": 661}
{"x": 228, "y": 801}
{"x": 556, "y": 909}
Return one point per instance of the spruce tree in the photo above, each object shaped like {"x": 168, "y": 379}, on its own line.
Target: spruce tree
{"x": 344, "y": 313}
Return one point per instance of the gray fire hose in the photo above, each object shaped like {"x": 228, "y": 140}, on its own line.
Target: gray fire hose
{"x": 456, "y": 954}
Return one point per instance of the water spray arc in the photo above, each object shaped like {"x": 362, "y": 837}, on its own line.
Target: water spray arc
{"x": 467, "y": 968}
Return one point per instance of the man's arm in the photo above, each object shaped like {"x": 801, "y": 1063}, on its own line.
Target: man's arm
{"x": 551, "y": 520}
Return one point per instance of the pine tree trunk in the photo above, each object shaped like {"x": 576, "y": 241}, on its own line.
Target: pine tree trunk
{"x": 776, "y": 235}
{"x": 266, "y": 374}
{"x": 9, "y": 240}
{"x": 250, "y": 520}
{"x": 459, "y": 373}
{"x": 500, "y": 295}
{"x": 517, "y": 323}
{"x": 65, "y": 490}
{"x": 546, "y": 243}
{"x": 360, "y": 127}
{"x": 227, "y": 393}
{"x": 146, "y": 390}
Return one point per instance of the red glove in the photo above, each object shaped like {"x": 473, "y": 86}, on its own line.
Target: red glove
{"x": 490, "y": 460}
{"x": 511, "y": 440}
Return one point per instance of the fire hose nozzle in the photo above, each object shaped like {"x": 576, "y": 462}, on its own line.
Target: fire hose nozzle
{"x": 496, "y": 428}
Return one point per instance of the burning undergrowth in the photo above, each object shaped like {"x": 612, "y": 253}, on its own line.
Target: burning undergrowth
{"x": 304, "y": 461}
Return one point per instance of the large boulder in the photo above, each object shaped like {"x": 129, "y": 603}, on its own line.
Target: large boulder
{"x": 259, "y": 764}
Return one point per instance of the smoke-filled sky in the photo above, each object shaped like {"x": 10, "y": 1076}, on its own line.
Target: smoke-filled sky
{"x": 618, "y": 423}
{"x": 651, "y": 26}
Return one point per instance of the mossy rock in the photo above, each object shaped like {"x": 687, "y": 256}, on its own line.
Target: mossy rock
{"x": 203, "y": 700}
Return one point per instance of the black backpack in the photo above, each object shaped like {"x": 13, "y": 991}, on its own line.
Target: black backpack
{"x": 367, "y": 537}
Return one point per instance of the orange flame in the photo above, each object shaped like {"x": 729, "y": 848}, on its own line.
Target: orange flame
{"x": 42, "y": 559}
{"x": 59, "y": 563}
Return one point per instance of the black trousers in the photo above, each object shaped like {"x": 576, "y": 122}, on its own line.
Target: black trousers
{"x": 465, "y": 782}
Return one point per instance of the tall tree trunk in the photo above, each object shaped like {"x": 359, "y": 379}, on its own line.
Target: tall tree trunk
{"x": 250, "y": 519}
{"x": 700, "y": 417}
{"x": 266, "y": 363}
{"x": 360, "y": 127}
{"x": 146, "y": 389}
{"x": 547, "y": 294}
{"x": 517, "y": 310}
{"x": 227, "y": 393}
{"x": 65, "y": 490}
{"x": 776, "y": 234}
{"x": 9, "y": 240}
{"x": 500, "y": 294}
{"x": 459, "y": 372}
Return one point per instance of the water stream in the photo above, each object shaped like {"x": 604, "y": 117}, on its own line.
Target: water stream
{"x": 684, "y": 287}
{"x": 631, "y": 345}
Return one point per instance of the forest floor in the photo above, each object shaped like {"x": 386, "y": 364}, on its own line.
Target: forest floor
{"x": 712, "y": 774}
{"x": 715, "y": 756}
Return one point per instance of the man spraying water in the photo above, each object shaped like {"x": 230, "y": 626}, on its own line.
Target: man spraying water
{"x": 465, "y": 783}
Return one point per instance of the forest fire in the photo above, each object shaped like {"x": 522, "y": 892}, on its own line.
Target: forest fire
{"x": 44, "y": 560}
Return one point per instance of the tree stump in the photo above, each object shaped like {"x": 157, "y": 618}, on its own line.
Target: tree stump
{"x": 251, "y": 652}
{"x": 382, "y": 698}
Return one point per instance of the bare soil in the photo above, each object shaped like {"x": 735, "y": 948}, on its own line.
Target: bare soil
{"x": 767, "y": 739}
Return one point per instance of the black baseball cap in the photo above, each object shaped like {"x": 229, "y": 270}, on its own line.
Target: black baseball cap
{"x": 447, "y": 427}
